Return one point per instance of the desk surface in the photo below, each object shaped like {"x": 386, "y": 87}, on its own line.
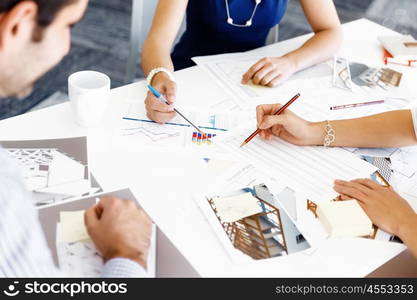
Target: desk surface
{"x": 172, "y": 207}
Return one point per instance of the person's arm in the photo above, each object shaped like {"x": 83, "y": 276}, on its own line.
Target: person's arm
{"x": 23, "y": 248}
{"x": 322, "y": 16}
{"x": 389, "y": 129}
{"x": 384, "y": 207}
{"x": 121, "y": 232}
{"x": 157, "y": 53}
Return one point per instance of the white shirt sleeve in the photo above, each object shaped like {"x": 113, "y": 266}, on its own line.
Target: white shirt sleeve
{"x": 23, "y": 248}
{"x": 414, "y": 114}
{"x": 122, "y": 267}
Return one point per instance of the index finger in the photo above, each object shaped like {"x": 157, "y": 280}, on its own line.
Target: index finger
{"x": 368, "y": 183}
{"x": 90, "y": 217}
{"x": 252, "y": 70}
{"x": 153, "y": 103}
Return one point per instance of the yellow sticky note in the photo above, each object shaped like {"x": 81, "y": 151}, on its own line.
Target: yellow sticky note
{"x": 231, "y": 209}
{"x": 73, "y": 226}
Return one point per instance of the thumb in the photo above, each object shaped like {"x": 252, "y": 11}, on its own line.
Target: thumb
{"x": 270, "y": 121}
{"x": 170, "y": 91}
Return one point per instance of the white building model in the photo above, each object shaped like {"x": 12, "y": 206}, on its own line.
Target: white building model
{"x": 52, "y": 176}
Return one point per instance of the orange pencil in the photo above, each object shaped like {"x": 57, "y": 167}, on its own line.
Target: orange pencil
{"x": 280, "y": 111}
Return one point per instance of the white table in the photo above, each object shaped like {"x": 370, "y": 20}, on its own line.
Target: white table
{"x": 171, "y": 206}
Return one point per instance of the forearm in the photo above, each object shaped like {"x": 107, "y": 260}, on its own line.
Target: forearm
{"x": 165, "y": 25}
{"x": 390, "y": 129}
{"x": 156, "y": 54}
{"x": 317, "y": 49}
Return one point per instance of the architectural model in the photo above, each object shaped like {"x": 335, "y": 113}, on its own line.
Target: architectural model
{"x": 50, "y": 174}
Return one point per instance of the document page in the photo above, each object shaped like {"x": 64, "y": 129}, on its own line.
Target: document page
{"x": 308, "y": 170}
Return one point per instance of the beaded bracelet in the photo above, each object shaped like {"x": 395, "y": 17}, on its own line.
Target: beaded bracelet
{"x": 155, "y": 71}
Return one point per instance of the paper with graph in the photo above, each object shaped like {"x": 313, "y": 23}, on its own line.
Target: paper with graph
{"x": 311, "y": 171}
{"x": 138, "y": 131}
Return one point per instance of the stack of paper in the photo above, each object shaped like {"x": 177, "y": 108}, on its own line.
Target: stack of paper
{"x": 311, "y": 171}
{"x": 77, "y": 254}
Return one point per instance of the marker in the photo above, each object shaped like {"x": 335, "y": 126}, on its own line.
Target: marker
{"x": 164, "y": 100}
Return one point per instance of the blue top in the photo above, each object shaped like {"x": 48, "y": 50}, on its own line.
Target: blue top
{"x": 208, "y": 32}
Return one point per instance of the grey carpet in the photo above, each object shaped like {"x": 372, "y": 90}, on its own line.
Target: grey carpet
{"x": 101, "y": 42}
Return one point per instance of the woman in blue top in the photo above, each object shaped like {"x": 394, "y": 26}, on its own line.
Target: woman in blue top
{"x": 223, "y": 26}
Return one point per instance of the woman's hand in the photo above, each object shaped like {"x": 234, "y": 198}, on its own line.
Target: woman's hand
{"x": 155, "y": 109}
{"x": 270, "y": 71}
{"x": 383, "y": 205}
{"x": 288, "y": 126}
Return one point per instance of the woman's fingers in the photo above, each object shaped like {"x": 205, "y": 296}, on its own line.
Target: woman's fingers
{"x": 268, "y": 78}
{"x": 252, "y": 71}
{"x": 352, "y": 189}
{"x": 258, "y": 76}
{"x": 368, "y": 183}
{"x": 277, "y": 81}
{"x": 265, "y": 110}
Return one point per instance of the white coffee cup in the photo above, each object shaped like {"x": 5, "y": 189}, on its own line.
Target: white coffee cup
{"x": 89, "y": 94}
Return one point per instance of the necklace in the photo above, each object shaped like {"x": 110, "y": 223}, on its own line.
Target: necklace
{"x": 248, "y": 22}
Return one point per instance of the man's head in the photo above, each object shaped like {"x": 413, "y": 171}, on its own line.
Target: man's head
{"x": 34, "y": 37}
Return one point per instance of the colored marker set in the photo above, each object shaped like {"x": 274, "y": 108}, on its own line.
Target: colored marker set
{"x": 202, "y": 139}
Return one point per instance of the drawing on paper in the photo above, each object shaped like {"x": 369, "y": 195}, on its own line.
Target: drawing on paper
{"x": 202, "y": 139}
{"x": 67, "y": 237}
{"x": 152, "y": 135}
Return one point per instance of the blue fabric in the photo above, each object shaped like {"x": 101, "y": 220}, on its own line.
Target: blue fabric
{"x": 208, "y": 32}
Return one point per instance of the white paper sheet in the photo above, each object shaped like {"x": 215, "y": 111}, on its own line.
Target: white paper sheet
{"x": 73, "y": 226}
{"x": 310, "y": 171}
{"x": 232, "y": 209}
{"x": 77, "y": 259}
{"x": 404, "y": 161}
{"x": 138, "y": 131}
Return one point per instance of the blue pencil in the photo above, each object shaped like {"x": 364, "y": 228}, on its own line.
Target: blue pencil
{"x": 164, "y": 100}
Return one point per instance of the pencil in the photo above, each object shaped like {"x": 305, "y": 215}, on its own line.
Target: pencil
{"x": 161, "y": 98}
{"x": 356, "y": 104}
{"x": 280, "y": 111}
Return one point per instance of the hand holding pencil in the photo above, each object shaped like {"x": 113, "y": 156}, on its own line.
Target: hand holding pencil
{"x": 277, "y": 110}
{"x": 287, "y": 126}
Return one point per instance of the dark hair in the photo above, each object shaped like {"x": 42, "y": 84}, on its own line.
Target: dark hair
{"x": 47, "y": 9}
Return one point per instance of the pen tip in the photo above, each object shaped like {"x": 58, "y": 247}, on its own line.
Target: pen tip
{"x": 243, "y": 144}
